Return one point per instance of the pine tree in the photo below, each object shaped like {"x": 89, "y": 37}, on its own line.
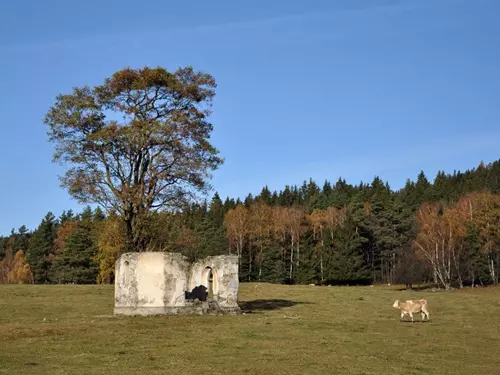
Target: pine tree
{"x": 309, "y": 263}
{"x": 229, "y": 204}
{"x": 248, "y": 200}
{"x": 41, "y": 249}
{"x": 360, "y": 209}
{"x": 66, "y": 216}
{"x": 286, "y": 197}
{"x": 422, "y": 188}
{"x": 216, "y": 210}
{"x": 341, "y": 194}
{"x": 474, "y": 261}
{"x": 346, "y": 264}
{"x": 98, "y": 215}
{"x": 211, "y": 239}
{"x": 264, "y": 196}
{"x": 76, "y": 263}
{"x": 439, "y": 190}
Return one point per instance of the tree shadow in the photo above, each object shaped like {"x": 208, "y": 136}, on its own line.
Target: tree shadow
{"x": 267, "y": 304}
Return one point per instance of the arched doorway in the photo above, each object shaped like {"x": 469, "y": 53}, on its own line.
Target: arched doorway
{"x": 210, "y": 284}
{"x": 210, "y": 281}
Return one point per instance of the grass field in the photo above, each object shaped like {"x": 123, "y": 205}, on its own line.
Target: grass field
{"x": 292, "y": 330}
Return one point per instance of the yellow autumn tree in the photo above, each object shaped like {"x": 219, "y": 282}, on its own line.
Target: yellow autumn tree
{"x": 260, "y": 229}
{"x": 317, "y": 220}
{"x": 20, "y": 272}
{"x": 440, "y": 239}
{"x": 287, "y": 224}
{"x": 236, "y": 222}
{"x": 294, "y": 222}
{"x": 6, "y": 266}
{"x": 14, "y": 269}
{"x": 110, "y": 243}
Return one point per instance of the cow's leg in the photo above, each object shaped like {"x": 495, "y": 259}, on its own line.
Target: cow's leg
{"x": 411, "y": 316}
{"x": 424, "y": 310}
{"x": 423, "y": 315}
{"x": 402, "y": 315}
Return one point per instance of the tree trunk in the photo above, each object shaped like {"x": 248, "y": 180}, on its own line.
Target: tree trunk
{"x": 393, "y": 268}
{"x": 240, "y": 251}
{"x": 249, "y": 262}
{"x": 498, "y": 267}
{"x": 491, "y": 266}
{"x": 135, "y": 237}
{"x": 383, "y": 276}
{"x": 261, "y": 256}
{"x": 321, "y": 267}
{"x": 298, "y": 252}
{"x": 322, "y": 248}
{"x": 456, "y": 264}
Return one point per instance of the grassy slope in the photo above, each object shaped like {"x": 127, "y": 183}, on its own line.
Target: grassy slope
{"x": 306, "y": 330}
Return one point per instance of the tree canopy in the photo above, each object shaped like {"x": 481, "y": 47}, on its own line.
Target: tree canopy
{"x": 138, "y": 142}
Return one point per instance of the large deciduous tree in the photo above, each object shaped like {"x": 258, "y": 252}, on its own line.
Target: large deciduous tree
{"x": 138, "y": 142}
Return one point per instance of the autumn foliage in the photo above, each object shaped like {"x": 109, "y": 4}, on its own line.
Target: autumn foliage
{"x": 443, "y": 236}
{"x": 446, "y": 233}
{"x": 14, "y": 270}
{"x": 157, "y": 155}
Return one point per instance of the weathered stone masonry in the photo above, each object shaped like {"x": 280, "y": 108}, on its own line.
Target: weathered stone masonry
{"x": 156, "y": 283}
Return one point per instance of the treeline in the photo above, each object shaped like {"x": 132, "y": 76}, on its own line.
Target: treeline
{"x": 446, "y": 232}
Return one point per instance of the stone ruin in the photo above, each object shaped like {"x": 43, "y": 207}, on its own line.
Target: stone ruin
{"x": 157, "y": 283}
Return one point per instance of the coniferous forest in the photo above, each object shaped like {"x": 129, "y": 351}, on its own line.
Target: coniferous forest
{"x": 445, "y": 232}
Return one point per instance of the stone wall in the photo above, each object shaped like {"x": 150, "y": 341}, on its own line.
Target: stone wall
{"x": 225, "y": 278}
{"x": 156, "y": 283}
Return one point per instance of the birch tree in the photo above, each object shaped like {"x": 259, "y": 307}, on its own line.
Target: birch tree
{"x": 260, "y": 226}
{"x": 237, "y": 226}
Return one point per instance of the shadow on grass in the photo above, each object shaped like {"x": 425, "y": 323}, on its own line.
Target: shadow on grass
{"x": 418, "y": 288}
{"x": 267, "y": 304}
{"x": 416, "y": 321}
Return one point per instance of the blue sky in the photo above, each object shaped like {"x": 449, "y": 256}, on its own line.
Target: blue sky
{"x": 317, "y": 89}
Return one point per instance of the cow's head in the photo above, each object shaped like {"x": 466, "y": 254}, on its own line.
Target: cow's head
{"x": 396, "y": 304}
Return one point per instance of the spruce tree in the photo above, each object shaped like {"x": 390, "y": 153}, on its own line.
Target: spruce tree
{"x": 346, "y": 264}
{"x": 41, "y": 248}
{"x": 76, "y": 264}
{"x": 422, "y": 188}
{"x": 474, "y": 261}
{"x": 264, "y": 196}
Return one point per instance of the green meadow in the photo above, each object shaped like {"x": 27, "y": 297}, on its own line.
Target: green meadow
{"x": 70, "y": 329}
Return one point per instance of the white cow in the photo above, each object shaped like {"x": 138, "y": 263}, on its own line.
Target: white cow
{"x": 412, "y": 306}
